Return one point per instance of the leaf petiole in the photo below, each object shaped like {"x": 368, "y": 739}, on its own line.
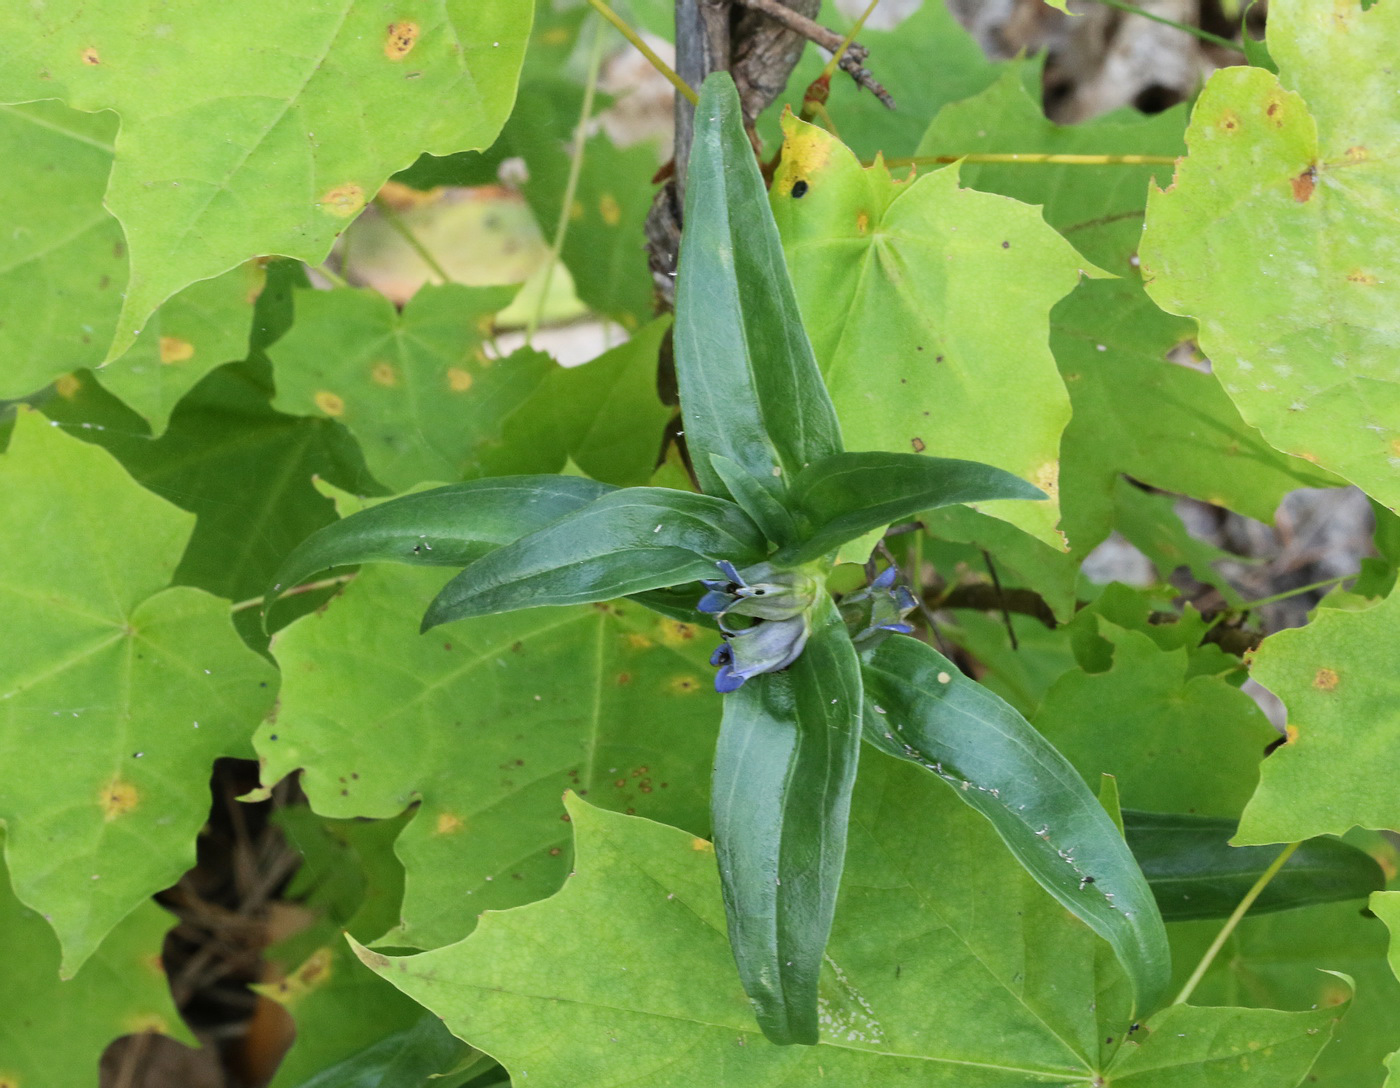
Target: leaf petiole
{"x": 645, "y": 50}
{"x": 1234, "y": 920}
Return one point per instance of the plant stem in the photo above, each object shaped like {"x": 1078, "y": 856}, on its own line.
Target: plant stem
{"x": 1035, "y": 158}
{"x": 395, "y": 221}
{"x": 1194, "y": 31}
{"x": 561, "y": 230}
{"x": 645, "y": 50}
{"x": 1249, "y": 605}
{"x": 1234, "y": 920}
{"x": 336, "y": 279}
{"x": 309, "y": 587}
{"x": 835, "y": 60}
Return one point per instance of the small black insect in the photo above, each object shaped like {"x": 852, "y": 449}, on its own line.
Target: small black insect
{"x": 799, "y": 189}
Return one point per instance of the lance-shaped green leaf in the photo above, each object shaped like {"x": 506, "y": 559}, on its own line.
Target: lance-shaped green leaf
{"x": 757, "y": 501}
{"x": 628, "y": 541}
{"x": 445, "y": 527}
{"x": 1195, "y": 873}
{"x": 784, "y": 769}
{"x": 748, "y": 379}
{"x": 919, "y": 707}
{"x": 848, "y": 494}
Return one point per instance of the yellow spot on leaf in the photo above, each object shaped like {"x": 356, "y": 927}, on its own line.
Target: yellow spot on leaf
{"x": 344, "y": 200}
{"x": 1230, "y": 121}
{"x": 684, "y": 685}
{"x": 147, "y": 1021}
{"x": 1047, "y": 478}
{"x": 329, "y": 403}
{"x": 610, "y": 211}
{"x": 175, "y": 350}
{"x": 384, "y": 374}
{"x": 448, "y": 824}
{"x": 1356, "y": 275}
{"x": 1359, "y": 153}
{"x": 699, "y": 845}
{"x": 8, "y": 1081}
{"x": 576, "y": 210}
{"x": 401, "y": 39}
{"x": 1274, "y": 111}
{"x": 863, "y": 222}
{"x": 676, "y": 633}
{"x": 555, "y": 36}
{"x": 1325, "y": 680}
{"x": 67, "y": 386}
{"x": 638, "y": 642}
{"x": 806, "y": 149}
{"x": 117, "y": 799}
{"x": 459, "y": 380}
{"x": 91, "y": 57}
{"x": 1290, "y": 734}
{"x": 311, "y": 975}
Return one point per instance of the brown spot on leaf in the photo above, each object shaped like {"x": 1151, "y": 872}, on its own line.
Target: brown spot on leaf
{"x": 400, "y": 40}
{"x": 1357, "y": 275}
{"x": 684, "y": 685}
{"x": 175, "y": 350}
{"x": 1325, "y": 680}
{"x": 329, "y": 403}
{"x": 918, "y": 444}
{"x": 344, "y": 200}
{"x": 117, "y": 799}
{"x": 676, "y": 633}
{"x": 1304, "y": 184}
{"x": 624, "y": 678}
{"x": 458, "y": 379}
{"x": 384, "y": 374}
{"x": 91, "y": 57}
{"x": 1230, "y": 121}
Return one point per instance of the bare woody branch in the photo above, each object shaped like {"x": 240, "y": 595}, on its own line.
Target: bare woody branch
{"x": 852, "y": 60}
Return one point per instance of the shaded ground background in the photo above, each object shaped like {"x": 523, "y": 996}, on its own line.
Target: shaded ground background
{"x": 231, "y": 907}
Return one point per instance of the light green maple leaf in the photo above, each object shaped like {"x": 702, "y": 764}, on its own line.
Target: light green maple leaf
{"x": 947, "y": 967}
{"x": 117, "y": 691}
{"x": 1279, "y": 236}
{"x": 485, "y": 722}
{"x": 258, "y": 128}
{"x": 1339, "y": 677}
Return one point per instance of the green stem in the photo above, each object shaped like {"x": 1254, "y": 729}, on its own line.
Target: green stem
{"x": 336, "y": 279}
{"x": 561, "y": 230}
{"x": 1234, "y": 920}
{"x": 1249, "y": 605}
{"x": 309, "y": 587}
{"x": 1194, "y": 31}
{"x": 395, "y": 221}
{"x": 645, "y": 50}
{"x": 835, "y": 60}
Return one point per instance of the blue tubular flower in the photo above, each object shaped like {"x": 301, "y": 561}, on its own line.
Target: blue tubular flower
{"x": 872, "y": 613}
{"x": 777, "y": 604}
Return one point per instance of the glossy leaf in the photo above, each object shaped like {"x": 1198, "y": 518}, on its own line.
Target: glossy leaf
{"x": 117, "y": 691}
{"x": 627, "y": 541}
{"x": 848, "y": 494}
{"x": 233, "y": 146}
{"x": 1338, "y": 677}
{"x": 53, "y": 1032}
{"x": 1276, "y": 236}
{"x": 483, "y": 724}
{"x": 756, "y": 500}
{"x": 948, "y": 968}
{"x": 1195, "y": 873}
{"x": 748, "y": 380}
{"x": 448, "y": 526}
{"x": 784, "y": 769}
{"x": 928, "y": 306}
{"x": 919, "y": 707}
{"x": 421, "y": 1055}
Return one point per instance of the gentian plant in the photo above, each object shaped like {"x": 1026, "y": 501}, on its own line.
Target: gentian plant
{"x": 804, "y": 676}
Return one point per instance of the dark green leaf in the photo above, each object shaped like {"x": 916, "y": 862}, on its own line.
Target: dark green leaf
{"x": 919, "y": 707}
{"x": 748, "y": 380}
{"x": 416, "y": 1057}
{"x": 848, "y": 494}
{"x": 627, "y": 541}
{"x": 446, "y": 527}
{"x": 756, "y": 499}
{"x": 784, "y": 769}
{"x": 1195, "y": 873}
{"x": 677, "y": 602}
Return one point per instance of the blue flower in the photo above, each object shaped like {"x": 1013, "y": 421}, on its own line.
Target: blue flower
{"x": 774, "y": 608}
{"x": 872, "y": 613}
